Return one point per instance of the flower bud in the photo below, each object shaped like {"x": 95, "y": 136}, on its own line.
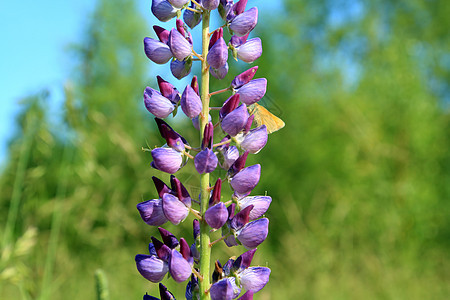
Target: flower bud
{"x": 219, "y": 73}
{"x": 205, "y": 161}
{"x": 216, "y": 215}
{"x": 180, "y": 68}
{"x": 245, "y": 22}
{"x": 235, "y": 121}
{"x": 253, "y": 233}
{"x": 210, "y": 4}
{"x": 191, "y": 104}
{"x": 249, "y": 51}
{"x": 168, "y": 238}
{"x": 191, "y": 18}
{"x": 151, "y": 212}
{"x": 174, "y": 210}
{"x": 229, "y": 105}
{"x": 253, "y": 91}
{"x": 163, "y": 34}
{"x": 157, "y": 104}
{"x": 218, "y": 54}
{"x": 166, "y": 160}
{"x": 255, "y": 139}
{"x": 164, "y": 293}
{"x": 243, "y": 78}
{"x": 163, "y": 10}
{"x": 160, "y": 186}
{"x": 179, "y": 267}
{"x": 157, "y": 51}
{"x": 179, "y": 45}
{"x": 151, "y": 267}
{"x": 168, "y": 90}
{"x": 246, "y": 179}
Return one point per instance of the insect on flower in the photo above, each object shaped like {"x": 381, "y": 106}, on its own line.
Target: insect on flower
{"x": 265, "y": 117}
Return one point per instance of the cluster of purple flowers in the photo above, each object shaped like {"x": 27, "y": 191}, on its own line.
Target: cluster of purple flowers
{"x": 240, "y": 219}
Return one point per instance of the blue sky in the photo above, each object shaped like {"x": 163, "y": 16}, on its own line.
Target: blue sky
{"x": 35, "y": 35}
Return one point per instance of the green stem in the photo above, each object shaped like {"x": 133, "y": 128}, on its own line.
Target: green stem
{"x": 205, "y": 250}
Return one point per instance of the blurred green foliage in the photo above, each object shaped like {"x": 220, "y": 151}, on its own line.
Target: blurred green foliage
{"x": 361, "y": 202}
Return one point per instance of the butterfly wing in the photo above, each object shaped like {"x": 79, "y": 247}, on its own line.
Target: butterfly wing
{"x": 265, "y": 117}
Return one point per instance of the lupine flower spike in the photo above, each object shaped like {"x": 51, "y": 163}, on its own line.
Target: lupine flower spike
{"x": 228, "y": 135}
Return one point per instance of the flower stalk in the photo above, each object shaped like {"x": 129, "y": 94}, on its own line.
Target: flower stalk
{"x": 239, "y": 216}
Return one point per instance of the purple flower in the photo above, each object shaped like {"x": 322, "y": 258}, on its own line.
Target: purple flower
{"x": 253, "y": 91}
{"x": 191, "y": 18}
{"x": 219, "y": 73}
{"x": 168, "y": 90}
{"x": 235, "y": 121}
{"x": 255, "y": 139}
{"x": 179, "y": 45}
{"x": 181, "y": 68}
{"x": 245, "y": 22}
{"x": 174, "y": 210}
{"x": 157, "y": 51}
{"x": 246, "y": 179}
{"x": 151, "y": 212}
{"x": 216, "y": 215}
{"x": 210, "y": 4}
{"x": 260, "y": 205}
{"x": 179, "y": 267}
{"x": 173, "y": 139}
{"x": 229, "y": 157}
{"x": 151, "y": 267}
{"x": 254, "y": 278}
{"x": 253, "y": 233}
{"x": 222, "y": 290}
{"x": 163, "y": 10}
{"x": 191, "y": 104}
{"x": 218, "y": 54}
{"x": 178, "y": 3}
{"x": 157, "y": 104}
{"x": 166, "y": 159}
{"x": 205, "y": 161}
{"x": 244, "y": 77}
{"x": 249, "y": 51}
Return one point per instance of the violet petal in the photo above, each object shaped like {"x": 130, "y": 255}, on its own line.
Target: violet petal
{"x": 151, "y": 267}
{"x": 174, "y": 209}
{"x": 157, "y": 104}
{"x": 157, "y": 51}
{"x": 254, "y": 233}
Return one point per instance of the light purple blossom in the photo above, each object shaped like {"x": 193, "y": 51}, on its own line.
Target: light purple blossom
{"x": 157, "y": 104}
{"x": 245, "y": 22}
{"x": 249, "y": 51}
{"x": 191, "y": 104}
{"x": 163, "y": 10}
{"x": 174, "y": 210}
{"x": 255, "y": 139}
{"x": 235, "y": 121}
{"x": 246, "y": 179}
{"x": 157, "y": 51}
{"x": 179, "y": 45}
{"x": 167, "y": 160}
{"x": 253, "y": 91}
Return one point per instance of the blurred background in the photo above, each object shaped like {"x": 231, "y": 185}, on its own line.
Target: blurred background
{"x": 360, "y": 175}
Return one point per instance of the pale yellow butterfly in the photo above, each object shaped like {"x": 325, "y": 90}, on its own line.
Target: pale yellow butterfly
{"x": 265, "y": 117}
